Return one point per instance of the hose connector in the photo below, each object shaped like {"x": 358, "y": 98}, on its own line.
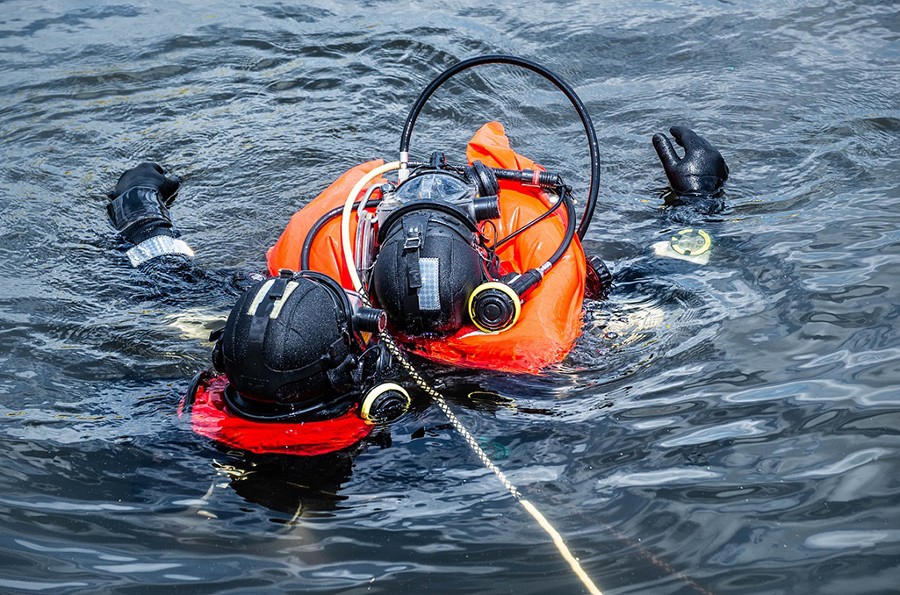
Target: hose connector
{"x": 527, "y": 280}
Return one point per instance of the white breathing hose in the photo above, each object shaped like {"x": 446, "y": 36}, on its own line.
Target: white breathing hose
{"x": 345, "y": 220}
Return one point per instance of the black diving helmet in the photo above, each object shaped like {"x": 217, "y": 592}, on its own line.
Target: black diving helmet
{"x": 430, "y": 254}
{"x": 295, "y": 348}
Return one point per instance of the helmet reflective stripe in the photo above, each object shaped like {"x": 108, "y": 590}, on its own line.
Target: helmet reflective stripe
{"x": 429, "y": 292}
{"x": 259, "y": 297}
{"x": 279, "y": 302}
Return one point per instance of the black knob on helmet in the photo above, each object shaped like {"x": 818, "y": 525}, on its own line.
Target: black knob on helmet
{"x": 485, "y": 179}
{"x": 370, "y": 320}
{"x": 384, "y": 403}
{"x": 494, "y": 307}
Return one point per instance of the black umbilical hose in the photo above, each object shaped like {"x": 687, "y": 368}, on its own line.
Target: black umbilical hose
{"x": 534, "y": 67}
{"x": 532, "y": 277}
{"x": 317, "y": 227}
{"x": 312, "y": 233}
{"x": 530, "y": 224}
{"x": 570, "y": 228}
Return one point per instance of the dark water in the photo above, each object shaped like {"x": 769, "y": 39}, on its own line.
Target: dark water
{"x": 726, "y": 428}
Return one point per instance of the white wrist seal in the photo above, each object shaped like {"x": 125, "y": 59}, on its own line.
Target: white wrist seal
{"x": 158, "y": 246}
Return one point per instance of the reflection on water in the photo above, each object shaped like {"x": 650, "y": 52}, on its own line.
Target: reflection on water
{"x": 728, "y": 427}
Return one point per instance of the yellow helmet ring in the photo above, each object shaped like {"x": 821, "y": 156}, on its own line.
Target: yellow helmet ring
{"x": 494, "y": 307}
{"x": 386, "y": 402}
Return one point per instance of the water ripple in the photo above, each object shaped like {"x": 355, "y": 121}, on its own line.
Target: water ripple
{"x": 727, "y": 431}
{"x": 844, "y": 540}
{"x": 849, "y": 462}
{"x": 728, "y": 427}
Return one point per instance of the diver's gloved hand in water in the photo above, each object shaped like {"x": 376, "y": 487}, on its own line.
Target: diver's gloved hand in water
{"x": 697, "y": 177}
{"x": 138, "y": 212}
{"x": 150, "y": 175}
{"x": 138, "y": 209}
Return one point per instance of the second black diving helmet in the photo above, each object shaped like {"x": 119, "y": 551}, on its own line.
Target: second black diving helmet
{"x": 294, "y": 348}
{"x": 430, "y": 254}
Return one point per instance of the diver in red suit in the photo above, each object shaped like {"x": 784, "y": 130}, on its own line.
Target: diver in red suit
{"x": 297, "y": 347}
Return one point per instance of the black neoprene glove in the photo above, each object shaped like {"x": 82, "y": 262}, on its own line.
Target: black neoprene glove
{"x": 138, "y": 209}
{"x": 700, "y": 173}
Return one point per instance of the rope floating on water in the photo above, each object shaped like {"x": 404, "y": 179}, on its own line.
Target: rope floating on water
{"x": 439, "y": 400}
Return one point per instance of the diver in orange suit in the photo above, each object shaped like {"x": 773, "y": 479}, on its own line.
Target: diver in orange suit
{"x": 299, "y": 347}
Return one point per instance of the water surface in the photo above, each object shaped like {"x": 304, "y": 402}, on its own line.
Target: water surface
{"x": 725, "y": 428}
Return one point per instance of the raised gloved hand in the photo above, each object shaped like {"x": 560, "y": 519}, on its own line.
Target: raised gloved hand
{"x": 700, "y": 173}
{"x": 138, "y": 209}
{"x": 138, "y": 212}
